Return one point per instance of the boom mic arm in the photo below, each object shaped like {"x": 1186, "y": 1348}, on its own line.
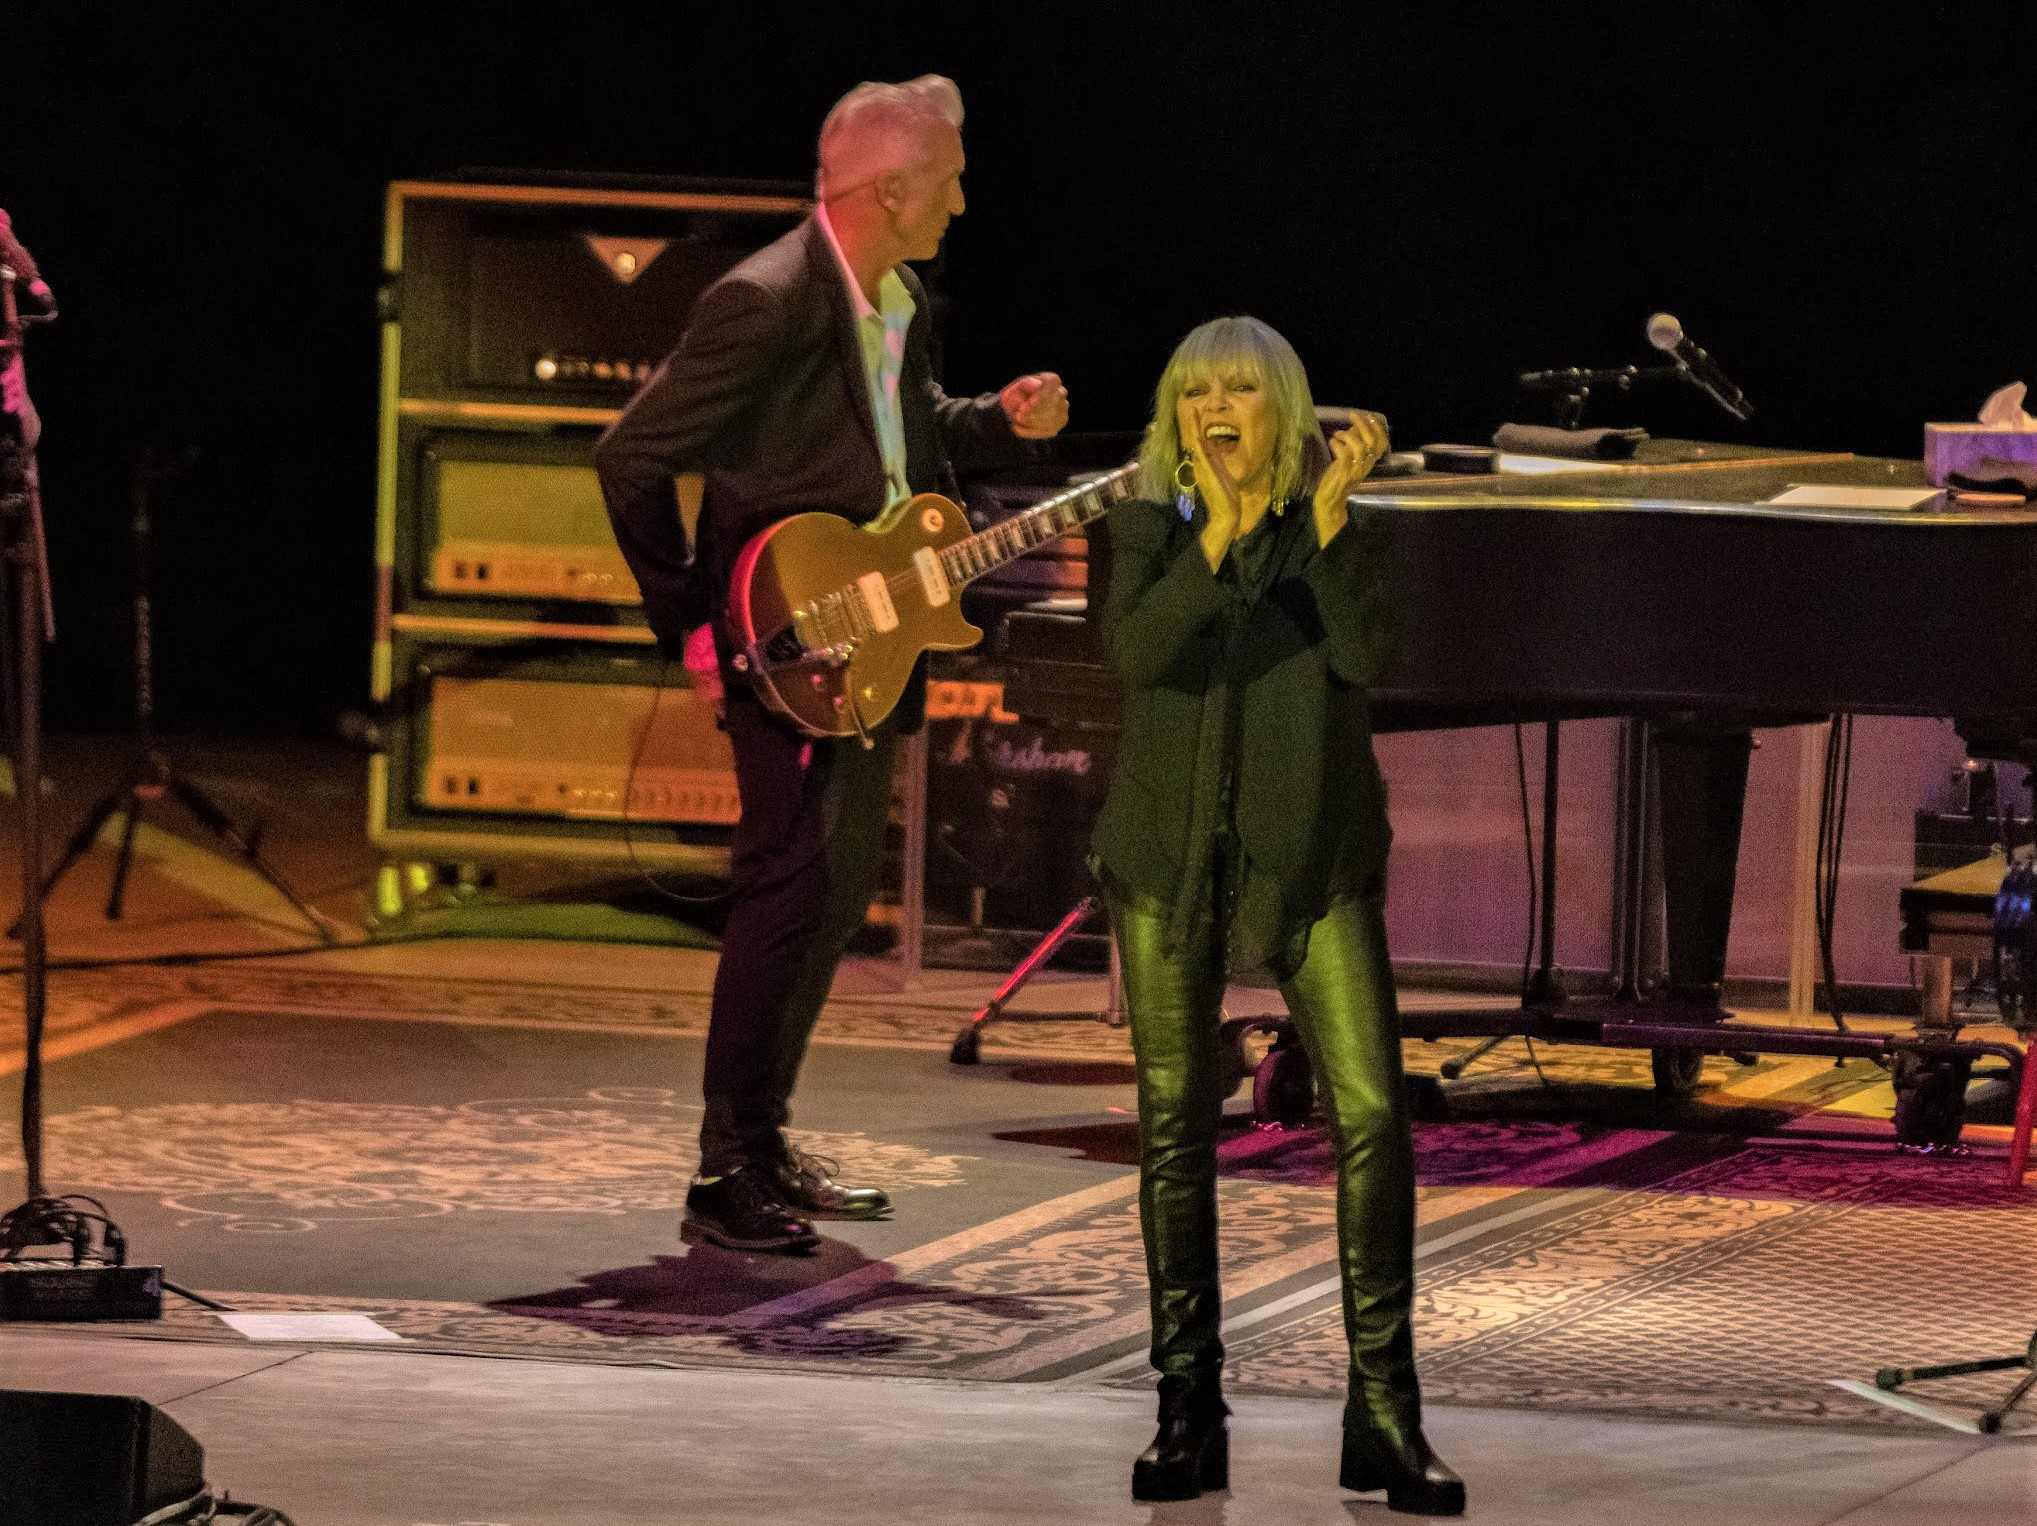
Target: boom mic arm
{"x": 1570, "y": 378}
{"x": 1574, "y": 384}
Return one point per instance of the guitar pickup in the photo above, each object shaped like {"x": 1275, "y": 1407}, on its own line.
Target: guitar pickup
{"x": 933, "y": 581}
{"x": 877, "y": 602}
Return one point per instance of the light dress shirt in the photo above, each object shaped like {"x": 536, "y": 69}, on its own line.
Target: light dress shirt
{"x": 881, "y": 331}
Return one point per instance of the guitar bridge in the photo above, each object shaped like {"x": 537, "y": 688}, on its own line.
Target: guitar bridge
{"x": 782, "y": 648}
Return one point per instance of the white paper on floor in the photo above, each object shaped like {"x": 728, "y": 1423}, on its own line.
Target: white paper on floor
{"x": 309, "y": 1327}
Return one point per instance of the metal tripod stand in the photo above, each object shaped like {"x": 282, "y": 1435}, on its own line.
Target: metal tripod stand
{"x": 1889, "y": 1379}
{"x": 150, "y": 775}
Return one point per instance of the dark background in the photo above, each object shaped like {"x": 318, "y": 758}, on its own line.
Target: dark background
{"x": 1838, "y": 202}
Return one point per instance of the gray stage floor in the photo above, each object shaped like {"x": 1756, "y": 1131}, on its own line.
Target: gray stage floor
{"x": 346, "y": 1438}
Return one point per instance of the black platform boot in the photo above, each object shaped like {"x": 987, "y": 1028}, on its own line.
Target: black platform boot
{"x": 1192, "y": 1451}
{"x": 1398, "y": 1460}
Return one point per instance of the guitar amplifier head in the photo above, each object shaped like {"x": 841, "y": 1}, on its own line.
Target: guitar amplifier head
{"x": 579, "y": 751}
{"x": 506, "y": 520}
{"x": 544, "y": 749}
{"x": 570, "y": 292}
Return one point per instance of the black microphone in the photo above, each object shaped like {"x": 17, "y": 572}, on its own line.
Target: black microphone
{"x": 18, "y": 259}
{"x": 1667, "y": 335}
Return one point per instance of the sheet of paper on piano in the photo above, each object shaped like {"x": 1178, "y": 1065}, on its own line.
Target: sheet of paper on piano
{"x": 1531, "y": 466}
{"x": 1816, "y": 496}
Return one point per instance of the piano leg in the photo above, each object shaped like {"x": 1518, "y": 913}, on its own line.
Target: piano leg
{"x": 1701, "y": 769}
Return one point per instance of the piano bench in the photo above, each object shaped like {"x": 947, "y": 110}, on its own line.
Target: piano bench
{"x": 1953, "y": 916}
{"x": 1950, "y": 917}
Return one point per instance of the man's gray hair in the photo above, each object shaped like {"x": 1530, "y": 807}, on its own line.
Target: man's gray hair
{"x": 877, "y": 130}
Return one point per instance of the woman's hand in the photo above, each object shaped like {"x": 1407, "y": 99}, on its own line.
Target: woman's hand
{"x": 1222, "y": 499}
{"x": 1353, "y": 454}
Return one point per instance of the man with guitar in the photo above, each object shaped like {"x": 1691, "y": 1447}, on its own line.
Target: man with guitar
{"x": 802, "y": 384}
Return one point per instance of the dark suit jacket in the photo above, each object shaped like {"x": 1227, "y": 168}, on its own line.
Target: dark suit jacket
{"x": 766, "y": 396}
{"x": 1278, "y": 682}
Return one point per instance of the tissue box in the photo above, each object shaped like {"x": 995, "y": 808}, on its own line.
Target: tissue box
{"x": 1976, "y": 450}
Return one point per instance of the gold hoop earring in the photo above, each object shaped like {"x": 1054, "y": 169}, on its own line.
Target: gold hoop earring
{"x": 1188, "y": 461}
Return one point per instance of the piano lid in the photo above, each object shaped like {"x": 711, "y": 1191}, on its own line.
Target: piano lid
{"x": 1693, "y": 478}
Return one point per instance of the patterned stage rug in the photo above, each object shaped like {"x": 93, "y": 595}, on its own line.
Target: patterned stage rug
{"x": 142, "y": 996}
{"x": 1725, "y": 1289}
{"x": 1581, "y": 1248}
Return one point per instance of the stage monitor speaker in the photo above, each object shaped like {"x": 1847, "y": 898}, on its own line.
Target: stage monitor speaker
{"x": 91, "y": 1460}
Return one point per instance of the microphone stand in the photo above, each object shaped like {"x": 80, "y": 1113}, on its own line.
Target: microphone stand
{"x": 81, "y": 1223}
{"x": 41, "y": 1220}
{"x": 150, "y": 774}
{"x": 1574, "y": 384}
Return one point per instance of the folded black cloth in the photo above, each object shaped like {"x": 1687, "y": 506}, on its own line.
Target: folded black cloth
{"x": 1587, "y": 444}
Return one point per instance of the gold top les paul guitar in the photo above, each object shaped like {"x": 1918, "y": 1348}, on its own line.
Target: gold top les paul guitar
{"x": 828, "y": 618}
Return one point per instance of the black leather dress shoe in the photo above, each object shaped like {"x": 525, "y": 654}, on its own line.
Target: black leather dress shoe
{"x": 1416, "y": 1480}
{"x": 806, "y": 1184}
{"x": 1192, "y": 1451}
{"x": 742, "y": 1211}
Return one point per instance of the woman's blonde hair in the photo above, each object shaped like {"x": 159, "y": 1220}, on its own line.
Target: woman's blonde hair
{"x": 1222, "y": 345}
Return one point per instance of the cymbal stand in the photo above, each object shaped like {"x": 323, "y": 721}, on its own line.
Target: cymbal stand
{"x": 150, "y": 774}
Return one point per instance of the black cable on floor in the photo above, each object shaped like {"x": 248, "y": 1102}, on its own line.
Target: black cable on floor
{"x": 209, "y": 1509}
{"x": 1534, "y": 886}
{"x": 629, "y": 782}
{"x": 1527, "y": 842}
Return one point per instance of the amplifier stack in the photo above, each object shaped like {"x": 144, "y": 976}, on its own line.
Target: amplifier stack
{"x": 525, "y": 711}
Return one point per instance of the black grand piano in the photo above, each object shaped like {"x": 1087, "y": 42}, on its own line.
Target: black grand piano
{"x": 1669, "y": 590}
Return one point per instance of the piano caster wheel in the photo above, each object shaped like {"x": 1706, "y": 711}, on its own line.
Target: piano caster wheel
{"x": 1427, "y": 1101}
{"x": 1234, "y": 1044}
{"x": 1283, "y": 1087}
{"x": 1677, "y": 1073}
{"x": 1930, "y": 1100}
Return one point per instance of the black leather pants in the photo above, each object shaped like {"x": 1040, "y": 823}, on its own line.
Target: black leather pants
{"x": 1339, "y": 991}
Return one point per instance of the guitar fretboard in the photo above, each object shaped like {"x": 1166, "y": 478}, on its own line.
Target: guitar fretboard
{"x": 1011, "y": 538}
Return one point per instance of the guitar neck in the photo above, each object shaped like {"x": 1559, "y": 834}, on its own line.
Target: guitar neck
{"x": 1009, "y": 539}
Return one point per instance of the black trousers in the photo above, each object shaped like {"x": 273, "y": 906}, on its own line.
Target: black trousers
{"x": 807, "y": 854}
{"x": 1338, "y": 985}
